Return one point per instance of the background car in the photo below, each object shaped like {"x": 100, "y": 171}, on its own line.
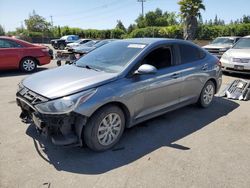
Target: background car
{"x": 118, "y": 85}
{"x": 77, "y": 43}
{"x": 237, "y": 59}
{"x": 220, "y": 45}
{"x": 19, "y": 54}
{"x": 63, "y": 41}
{"x": 81, "y": 50}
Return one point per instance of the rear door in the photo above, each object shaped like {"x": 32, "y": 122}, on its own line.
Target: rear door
{"x": 10, "y": 53}
{"x": 194, "y": 71}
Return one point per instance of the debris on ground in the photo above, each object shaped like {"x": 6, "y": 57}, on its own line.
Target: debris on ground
{"x": 238, "y": 89}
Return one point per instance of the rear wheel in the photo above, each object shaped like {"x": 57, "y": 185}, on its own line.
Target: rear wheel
{"x": 28, "y": 65}
{"x": 207, "y": 94}
{"x": 105, "y": 128}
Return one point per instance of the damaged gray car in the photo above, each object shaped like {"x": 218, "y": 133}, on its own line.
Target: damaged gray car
{"x": 115, "y": 87}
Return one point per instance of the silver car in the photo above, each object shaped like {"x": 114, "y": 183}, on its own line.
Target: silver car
{"x": 115, "y": 87}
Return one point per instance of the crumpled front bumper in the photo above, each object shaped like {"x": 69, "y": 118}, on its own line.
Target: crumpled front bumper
{"x": 63, "y": 129}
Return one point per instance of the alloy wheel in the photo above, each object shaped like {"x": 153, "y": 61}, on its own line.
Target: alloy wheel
{"x": 29, "y": 65}
{"x": 208, "y": 94}
{"x": 109, "y": 129}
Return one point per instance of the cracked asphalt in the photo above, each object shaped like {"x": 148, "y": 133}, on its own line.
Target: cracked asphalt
{"x": 189, "y": 147}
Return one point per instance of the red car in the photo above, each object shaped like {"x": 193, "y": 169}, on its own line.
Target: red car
{"x": 19, "y": 54}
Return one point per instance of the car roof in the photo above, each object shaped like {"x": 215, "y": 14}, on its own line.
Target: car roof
{"x": 234, "y": 37}
{"x": 248, "y": 36}
{"x": 22, "y": 42}
{"x": 149, "y": 40}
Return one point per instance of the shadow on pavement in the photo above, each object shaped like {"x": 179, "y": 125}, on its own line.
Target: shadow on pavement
{"x": 136, "y": 142}
{"x": 8, "y": 73}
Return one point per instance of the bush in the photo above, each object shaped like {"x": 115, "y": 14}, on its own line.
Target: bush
{"x": 208, "y": 32}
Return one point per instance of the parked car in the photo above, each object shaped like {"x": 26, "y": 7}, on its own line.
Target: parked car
{"x": 220, "y": 45}
{"x": 82, "y": 50}
{"x": 77, "y": 43}
{"x": 118, "y": 86}
{"x": 237, "y": 59}
{"x": 63, "y": 41}
{"x": 19, "y": 54}
{"x": 82, "y": 46}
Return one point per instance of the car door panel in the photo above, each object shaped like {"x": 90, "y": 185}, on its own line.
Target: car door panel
{"x": 9, "y": 57}
{"x": 193, "y": 78}
{"x": 162, "y": 91}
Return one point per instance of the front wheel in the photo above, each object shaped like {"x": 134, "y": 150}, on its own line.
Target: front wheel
{"x": 104, "y": 128}
{"x": 28, "y": 65}
{"x": 207, "y": 94}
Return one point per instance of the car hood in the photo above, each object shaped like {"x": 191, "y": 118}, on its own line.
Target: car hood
{"x": 217, "y": 46}
{"x": 239, "y": 53}
{"x": 66, "y": 80}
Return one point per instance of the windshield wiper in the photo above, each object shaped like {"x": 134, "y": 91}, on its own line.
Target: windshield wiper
{"x": 88, "y": 67}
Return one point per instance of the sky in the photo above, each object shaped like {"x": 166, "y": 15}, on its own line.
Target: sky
{"x": 103, "y": 14}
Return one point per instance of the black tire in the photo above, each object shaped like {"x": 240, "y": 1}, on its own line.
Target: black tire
{"x": 59, "y": 63}
{"x": 91, "y": 130}
{"x": 206, "y": 97}
{"x": 61, "y": 47}
{"x": 28, "y": 64}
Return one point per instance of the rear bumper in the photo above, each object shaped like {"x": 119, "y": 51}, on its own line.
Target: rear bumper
{"x": 44, "y": 60}
{"x": 63, "y": 129}
{"x": 231, "y": 67}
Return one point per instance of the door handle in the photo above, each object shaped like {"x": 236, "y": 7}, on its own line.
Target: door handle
{"x": 204, "y": 67}
{"x": 175, "y": 75}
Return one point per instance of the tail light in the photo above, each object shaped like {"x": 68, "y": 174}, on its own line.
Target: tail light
{"x": 218, "y": 63}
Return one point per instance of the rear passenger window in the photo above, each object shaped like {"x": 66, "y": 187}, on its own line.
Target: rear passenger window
{"x": 4, "y": 43}
{"x": 190, "y": 53}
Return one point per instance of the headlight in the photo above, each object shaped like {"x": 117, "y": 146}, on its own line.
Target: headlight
{"x": 225, "y": 57}
{"x": 237, "y": 60}
{"x": 64, "y": 105}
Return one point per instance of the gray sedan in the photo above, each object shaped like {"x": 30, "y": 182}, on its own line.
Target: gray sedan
{"x": 115, "y": 87}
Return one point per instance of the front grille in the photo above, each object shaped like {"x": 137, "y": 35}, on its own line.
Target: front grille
{"x": 214, "y": 51}
{"x": 30, "y": 96}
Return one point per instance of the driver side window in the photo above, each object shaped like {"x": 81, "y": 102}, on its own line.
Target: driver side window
{"x": 159, "y": 58}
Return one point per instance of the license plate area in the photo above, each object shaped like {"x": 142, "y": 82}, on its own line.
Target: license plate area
{"x": 239, "y": 67}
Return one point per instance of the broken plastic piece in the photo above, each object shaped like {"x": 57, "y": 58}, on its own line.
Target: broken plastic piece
{"x": 238, "y": 89}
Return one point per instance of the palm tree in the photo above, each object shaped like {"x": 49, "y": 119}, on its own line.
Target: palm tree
{"x": 190, "y": 11}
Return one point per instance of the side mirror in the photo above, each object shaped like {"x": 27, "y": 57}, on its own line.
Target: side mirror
{"x": 146, "y": 69}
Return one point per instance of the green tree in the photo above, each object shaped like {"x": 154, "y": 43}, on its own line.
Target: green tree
{"x": 120, "y": 25}
{"x": 131, "y": 27}
{"x": 190, "y": 11}
{"x": 246, "y": 19}
{"x": 2, "y": 32}
{"x": 36, "y": 23}
{"x": 140, "y": 21}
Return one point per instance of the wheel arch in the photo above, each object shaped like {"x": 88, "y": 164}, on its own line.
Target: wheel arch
{"x": 214, "y": 82}
{"x": 122, "y": 106}
{"x": 25, "y": 57}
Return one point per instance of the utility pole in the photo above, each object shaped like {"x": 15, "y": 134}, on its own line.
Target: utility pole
{"x": 142, "y": 6}
{"x": 51, "y": 20}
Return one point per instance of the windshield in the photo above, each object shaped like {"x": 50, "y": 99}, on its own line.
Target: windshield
{"x": 64, "y": 37}
{"x": 90, "y": 43}
{"x": 243, "y": 43}
{"x": 223, "y": 41}
{"x": 112, "y": 57}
